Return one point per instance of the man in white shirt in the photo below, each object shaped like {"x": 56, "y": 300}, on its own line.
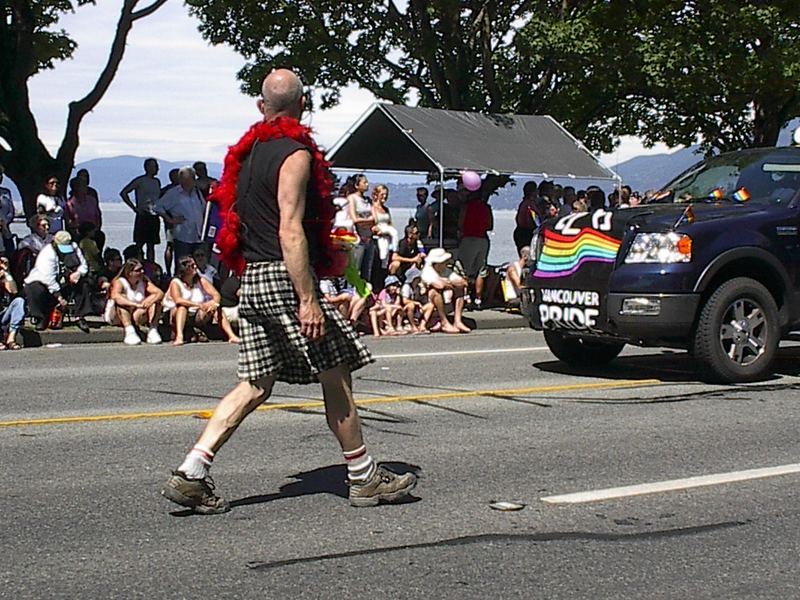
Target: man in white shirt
{"x": 147, "y": 189}
{"x": 183, "y": 207}
{"x": 58, "y": 276}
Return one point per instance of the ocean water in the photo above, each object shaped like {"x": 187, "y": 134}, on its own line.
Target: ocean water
{"x": 118, "y": 227}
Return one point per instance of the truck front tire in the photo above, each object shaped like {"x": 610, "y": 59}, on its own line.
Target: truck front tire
{"x": 737, "y": 332}
{"x": 581, "y": 352}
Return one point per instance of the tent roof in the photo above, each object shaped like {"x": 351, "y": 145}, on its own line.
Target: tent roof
{"x": 401, "y": 138}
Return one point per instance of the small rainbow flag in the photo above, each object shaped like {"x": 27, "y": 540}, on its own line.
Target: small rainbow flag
{"x": 741, "y": 195}
{"x": 717, "y": 194}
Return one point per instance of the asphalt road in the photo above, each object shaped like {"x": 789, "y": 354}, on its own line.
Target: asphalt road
{"x": 89, "y": 433}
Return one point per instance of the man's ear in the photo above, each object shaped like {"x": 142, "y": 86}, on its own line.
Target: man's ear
{"x": 260, "y": 105}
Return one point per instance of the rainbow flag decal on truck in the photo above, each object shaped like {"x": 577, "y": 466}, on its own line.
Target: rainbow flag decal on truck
{"x": 562, "y": 255}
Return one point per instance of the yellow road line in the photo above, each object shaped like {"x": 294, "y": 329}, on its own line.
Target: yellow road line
{"x": 206, "y": 412}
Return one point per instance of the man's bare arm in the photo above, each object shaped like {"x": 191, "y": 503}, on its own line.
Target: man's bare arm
{"x": 127, "y": 190}
{"x": 292, "y": 182}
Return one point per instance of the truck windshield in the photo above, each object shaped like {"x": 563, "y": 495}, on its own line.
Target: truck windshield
{"x": 738, "y": 177}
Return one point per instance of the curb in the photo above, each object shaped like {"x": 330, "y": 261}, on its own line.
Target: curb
{"x": 103, "y": 333}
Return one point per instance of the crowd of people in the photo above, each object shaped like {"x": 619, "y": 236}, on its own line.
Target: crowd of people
{"x": 397, "y": 284}
{"x": 63, "y": 267}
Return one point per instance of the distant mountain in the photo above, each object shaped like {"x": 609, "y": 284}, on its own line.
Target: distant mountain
{"x": 644, "y": 173}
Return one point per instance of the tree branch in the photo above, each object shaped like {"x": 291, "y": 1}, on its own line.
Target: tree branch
{"x": 147, "y": 11}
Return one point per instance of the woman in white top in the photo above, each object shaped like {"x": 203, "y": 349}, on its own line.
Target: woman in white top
{"x": 51, "y": 204}
{"x": 189, "y": 294}
{"x": 361, "y": 216}
{"x": 385, "y": 233}
{"x": 132, "y": 301}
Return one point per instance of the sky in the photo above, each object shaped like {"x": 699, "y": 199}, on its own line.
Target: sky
{"x": 175, "y": 96}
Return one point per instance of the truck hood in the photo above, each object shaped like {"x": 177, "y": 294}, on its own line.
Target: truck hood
{"x": 661, "y": 217}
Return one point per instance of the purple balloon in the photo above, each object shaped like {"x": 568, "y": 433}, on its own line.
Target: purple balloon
{"x": 471, "y": 180}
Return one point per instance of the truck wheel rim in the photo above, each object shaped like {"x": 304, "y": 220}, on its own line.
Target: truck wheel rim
{"x": 743, "y": 333}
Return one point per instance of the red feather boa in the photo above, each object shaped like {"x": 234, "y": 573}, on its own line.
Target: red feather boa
{"x": 228, "y": 238}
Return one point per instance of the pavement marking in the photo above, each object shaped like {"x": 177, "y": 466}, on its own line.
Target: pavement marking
{"x": 671, "y": 485}
{"x": 206, "y": 412}
{"x": 461, "y": 352}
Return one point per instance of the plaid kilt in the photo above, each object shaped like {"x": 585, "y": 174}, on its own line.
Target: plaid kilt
{"x": 270, "y": 330}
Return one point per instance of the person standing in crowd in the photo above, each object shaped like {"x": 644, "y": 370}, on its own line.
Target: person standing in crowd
{"x": 385, "y": 233}
{"x": 423, "y": 216}
{"x": 526, "y": 218}
{"x": 363, "y": 220}
{"x": 58, "y": 277}
{"x": 169, "y": 240}
{"x": 12, "y": 308}
{"x": 83, "y": 175}
{"x": 7, "y": 214}
{"x": 183, "y": 207}
{"x": 51, "y": 204}
{"x": 134, "y": 301}
{"x": 82, "y": 208}
{"x": 410, "y": 252}
{"x": 203, "y": 181}
{"x": 475, "y": 222}
{"x": 596, "y": 198}
{"x": 280, "y": 305}
{"x": 146, "y": 189}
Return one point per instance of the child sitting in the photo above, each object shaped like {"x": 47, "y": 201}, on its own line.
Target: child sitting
{"x": 386, "y": 315}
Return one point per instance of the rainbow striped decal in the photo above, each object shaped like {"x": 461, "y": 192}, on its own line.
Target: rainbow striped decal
{"x": 562, "y": 255}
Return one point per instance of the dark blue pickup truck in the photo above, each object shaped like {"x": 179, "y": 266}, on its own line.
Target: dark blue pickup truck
{"x": 712, "y": 266}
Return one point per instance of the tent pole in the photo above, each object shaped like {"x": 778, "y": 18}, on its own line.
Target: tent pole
{"x": 441, "y": 208}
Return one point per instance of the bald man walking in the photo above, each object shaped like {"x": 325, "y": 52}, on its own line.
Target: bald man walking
{"x": 289, "y": 331}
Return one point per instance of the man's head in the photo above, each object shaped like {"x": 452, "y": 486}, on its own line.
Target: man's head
{"x": 113, "y": 260}
{"x": 151, "y": 167}
{"x": 422, "y": 195}
{"x": 173, "y": 176}
{"x": 569, "y": 195}
{"x": 281, "y": 95}
{"x": 412, "y": 232}
{"x": 83, "y": 175}
{"x": 625, "y": 193}
{"x": 200, "y": 168}
{"x": 186, "y": 178}
{"x": 530, "y": 189}
{"x": 40, "y": 225}
{"x": 200, "y": 257}
{"x": 51, "y": 185}
{"x": 132, "y": 251}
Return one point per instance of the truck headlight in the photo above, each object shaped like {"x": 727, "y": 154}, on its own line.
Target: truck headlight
{"x": 660, "y": 248}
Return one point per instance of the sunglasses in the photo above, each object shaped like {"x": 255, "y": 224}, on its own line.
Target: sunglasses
{"x": 137, "y": 270}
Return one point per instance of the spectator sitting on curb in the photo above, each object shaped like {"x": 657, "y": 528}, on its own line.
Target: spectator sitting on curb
{"x": 410, "y": 252}
{"x": 204, "y": 268}
{"x": 442, "y": 283}
{"x": 30, "y": 246}
{"x": 134, "y": 300}
{"x": 386, "y": 315}
{"x": 512, "y": 283}
{"x": 229, "y": 303}
{"x": 417, "y": 308}
{"x": 112, "y": 260}
{"x": 58, "y": 276}
{"x": 193, "y": 300}
{"x": 344, "y": 296}
{"x": 12, "y": 308}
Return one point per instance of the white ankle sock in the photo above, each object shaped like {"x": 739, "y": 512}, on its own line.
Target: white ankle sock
{"x": 130, "y": 329}
{"x": 197, "y": 463}
{"x": 360, "y": 465}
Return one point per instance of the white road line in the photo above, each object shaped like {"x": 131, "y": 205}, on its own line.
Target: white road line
{"x": 671, "y": 485}
{"x": 462, "y": 352}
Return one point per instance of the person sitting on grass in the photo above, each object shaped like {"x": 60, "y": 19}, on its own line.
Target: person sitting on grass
{"x": 193, "y": 300}
{"x": 386, "y": 315}
{"x": 134, "y": 301}
{"x": 445, "y": 285}
{"x": 12, "y": 308}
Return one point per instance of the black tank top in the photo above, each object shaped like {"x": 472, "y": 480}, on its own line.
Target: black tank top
{"x": 257, "y": 202}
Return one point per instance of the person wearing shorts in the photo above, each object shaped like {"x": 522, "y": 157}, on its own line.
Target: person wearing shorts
{"x": 289, "y": 332}
{"x": 146, "y": 225}
{"x": 475, "y": 223}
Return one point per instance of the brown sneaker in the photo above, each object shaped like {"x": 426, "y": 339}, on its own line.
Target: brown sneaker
{"x": 383, "y": 485}
{"x": 197, "y": 494}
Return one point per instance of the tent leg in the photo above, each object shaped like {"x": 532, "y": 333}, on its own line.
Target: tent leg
{"x": 441, "y": 208}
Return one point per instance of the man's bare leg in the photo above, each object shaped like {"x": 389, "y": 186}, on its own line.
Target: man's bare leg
{"x": 231, "y": 411}
{"x": 437, "y": 300}
{"x": 189, "y": 485}
{"x": 369, "y": 484}
{"x": 458, "y": 310}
